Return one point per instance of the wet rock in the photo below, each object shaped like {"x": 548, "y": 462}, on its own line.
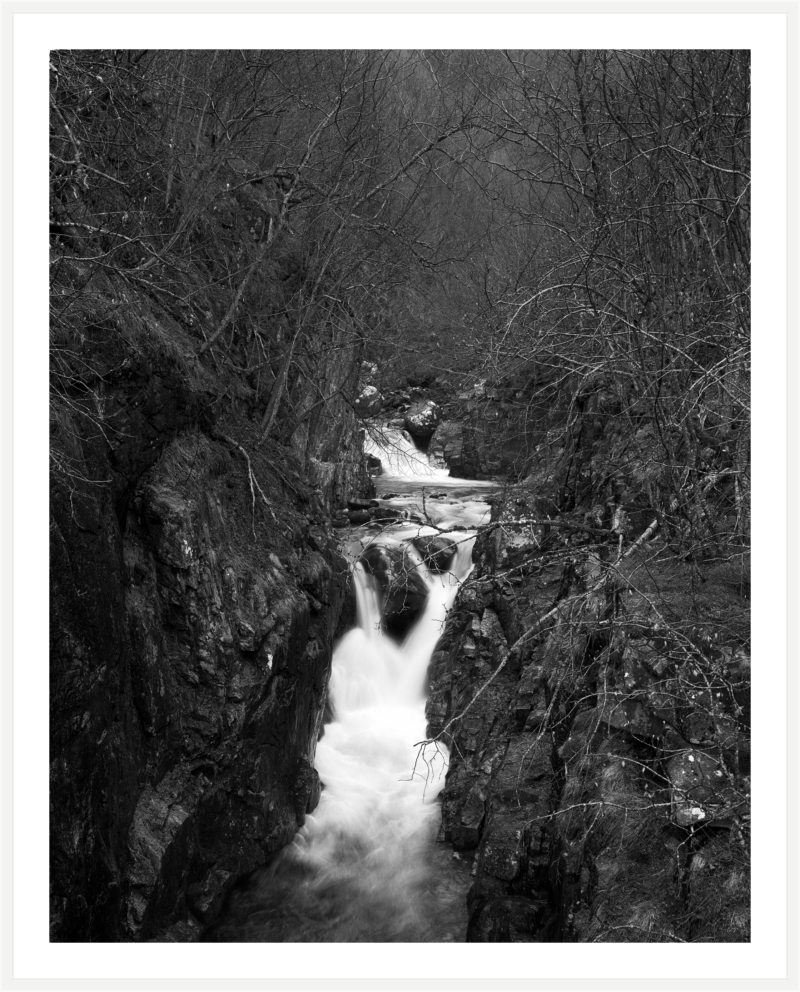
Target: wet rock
{"x": 405, "y": 600}
{"x": 437, "y": 552}
{"x": 403, "y": 588}
{"x": 361, "y": 504}
{"x": 369, "y": 403}
{"x": 384, "y": 513}
{"x": 422, "y": 418}
{"x": 446, "y": 446}
{"x": 358, "y": 516}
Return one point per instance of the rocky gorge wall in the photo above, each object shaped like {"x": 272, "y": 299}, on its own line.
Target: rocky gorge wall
{"x": 599, "y": 772}
{"x": 480, "y": 430}
{"x": 600, "y": 778}
{"x": 196, "y": 590}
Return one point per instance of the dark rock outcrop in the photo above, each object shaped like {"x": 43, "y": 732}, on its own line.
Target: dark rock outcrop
{"x": 446, "y": 447}
{"x": 369, "y": 402}
{"x": 437, "y": 552}
{"x": 403, "y": 590}
{"x": 599, "y": 766}
{"x": 481, "y": 445}
{"x": 192, "y": 620}
{"x": 422, "y": 418}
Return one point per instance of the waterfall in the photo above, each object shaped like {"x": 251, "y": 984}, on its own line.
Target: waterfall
{"x": 400, "y": 457}
{"x": 367, "y": 754}
{"x": 378, "y": 818}
{"x": 364, "y": 867}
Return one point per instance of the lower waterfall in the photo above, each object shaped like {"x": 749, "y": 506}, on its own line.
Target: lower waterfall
{"x": 365, "y": 866}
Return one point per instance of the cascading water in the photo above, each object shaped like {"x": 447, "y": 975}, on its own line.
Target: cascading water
{"x": 365, "y": 867}
{"x": 400, "y": 458}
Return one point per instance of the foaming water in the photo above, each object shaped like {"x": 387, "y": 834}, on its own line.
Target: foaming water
{"x": 365, "y": 866}
{"x": 408, "y": 480}
{"x": 401, "y": 458}
{"x": 374, "y": 828}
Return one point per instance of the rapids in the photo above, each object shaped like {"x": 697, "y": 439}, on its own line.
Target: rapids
{"x": 365, "y": 866}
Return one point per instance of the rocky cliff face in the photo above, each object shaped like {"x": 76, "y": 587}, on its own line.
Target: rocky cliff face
{"x": 485, "y": 430}
{"x": 600, "y": 767}
{"x": 195, "y": 592}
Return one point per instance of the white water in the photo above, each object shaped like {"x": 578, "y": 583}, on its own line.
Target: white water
{"x": 364, "y": 867}
{"x": 401, "y": 458}
{"x": 408, "y": 474}
{"x": 374, "y": 829}
{"x": 367, "y": 755}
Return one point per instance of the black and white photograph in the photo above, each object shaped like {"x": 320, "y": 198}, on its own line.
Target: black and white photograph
{"x": 403, "y": 430}
{"x": 400, "y": 443}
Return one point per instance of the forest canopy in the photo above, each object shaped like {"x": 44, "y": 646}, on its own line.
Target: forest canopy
{"x": 578, "y": 218}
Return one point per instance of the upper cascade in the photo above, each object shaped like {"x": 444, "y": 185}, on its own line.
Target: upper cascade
{"x": 399, "y": 455}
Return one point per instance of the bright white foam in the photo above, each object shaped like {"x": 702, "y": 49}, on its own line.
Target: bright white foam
{"x": 401, "y": 458}
{"x": 379, "y": 788}
{"x": 377, "y": 690}
{"x": 406, "y": 472}
{"x": 365, "y": 865}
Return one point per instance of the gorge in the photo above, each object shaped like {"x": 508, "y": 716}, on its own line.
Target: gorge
{"x": 400, "y": 497}
{"x": 365, "y": 865}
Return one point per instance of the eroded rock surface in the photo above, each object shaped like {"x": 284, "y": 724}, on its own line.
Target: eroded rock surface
{"x": 422, "y": 418}
{"x": 437, "y": 552}
{"x": 192, "y": 621}
{"x": 600, "y": 764}
{"x": 403, "y": 589}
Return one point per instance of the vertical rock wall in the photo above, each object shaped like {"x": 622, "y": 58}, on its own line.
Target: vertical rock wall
{"x": 195, "y": 596}
{"x": 600, "y": 769}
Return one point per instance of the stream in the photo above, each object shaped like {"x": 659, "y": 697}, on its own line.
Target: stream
{"x": 366, "y": 865}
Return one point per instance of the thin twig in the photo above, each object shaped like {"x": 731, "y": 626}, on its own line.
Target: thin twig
{"x": 254, "y": 484}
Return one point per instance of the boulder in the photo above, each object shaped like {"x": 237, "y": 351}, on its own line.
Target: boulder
{"x": 437, "y": 552}
{"x": 385, "y": 513}
{"x": 422, "y": 418}
{"x": 369, "y": 402}
{"x": 403, "y": 589}
{"x": 361, "y": 504}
